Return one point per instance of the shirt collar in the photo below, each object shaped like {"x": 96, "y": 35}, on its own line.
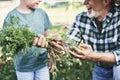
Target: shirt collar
{"x": 109, "y": 16}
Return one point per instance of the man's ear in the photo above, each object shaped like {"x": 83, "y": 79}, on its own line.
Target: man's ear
{"x": 106, "y": 2}
{"x": 117, "y": 1}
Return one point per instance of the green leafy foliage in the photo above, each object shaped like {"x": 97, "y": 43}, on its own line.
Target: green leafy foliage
{"x": 7, "y": 71}
{"x": 15, "y": 37}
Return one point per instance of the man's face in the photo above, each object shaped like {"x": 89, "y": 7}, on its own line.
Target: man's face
{"x": 94, "y": 7}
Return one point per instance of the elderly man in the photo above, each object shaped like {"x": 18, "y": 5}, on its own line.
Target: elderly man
{"x": 99, "y": 28}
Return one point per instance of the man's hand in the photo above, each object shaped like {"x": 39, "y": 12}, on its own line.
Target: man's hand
{"x": 83, "y": 52}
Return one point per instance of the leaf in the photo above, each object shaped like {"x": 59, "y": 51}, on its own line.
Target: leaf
{"x": 15, "y": 37}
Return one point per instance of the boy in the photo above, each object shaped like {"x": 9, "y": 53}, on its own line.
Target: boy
{"x": 31, "y": 66}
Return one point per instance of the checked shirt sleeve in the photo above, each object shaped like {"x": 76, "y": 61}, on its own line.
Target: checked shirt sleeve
{"x": 74, "y": 33}
{"x": 117, "y": 56}
{"x": 117, "y": 52}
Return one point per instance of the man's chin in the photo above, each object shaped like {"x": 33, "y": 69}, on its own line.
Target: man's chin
{"x": 93, "y": 14}
{"x": 90, "y": 15}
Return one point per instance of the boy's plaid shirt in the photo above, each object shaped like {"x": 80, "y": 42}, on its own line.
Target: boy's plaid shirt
{"x": 108, "y": 40}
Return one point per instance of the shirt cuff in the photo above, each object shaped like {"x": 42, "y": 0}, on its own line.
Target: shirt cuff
{"x": 117, "y": 57}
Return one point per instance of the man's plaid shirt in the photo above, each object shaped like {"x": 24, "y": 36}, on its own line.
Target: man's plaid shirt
{"x": 108, "y": 40}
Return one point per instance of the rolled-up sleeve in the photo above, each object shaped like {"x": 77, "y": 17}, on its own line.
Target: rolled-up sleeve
{"x": 117, "y": 56}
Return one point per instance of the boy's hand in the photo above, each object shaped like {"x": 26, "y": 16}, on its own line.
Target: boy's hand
{"x": 40, "y": 41}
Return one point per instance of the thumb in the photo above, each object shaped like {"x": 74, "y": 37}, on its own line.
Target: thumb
{"x": 85, "y": 46}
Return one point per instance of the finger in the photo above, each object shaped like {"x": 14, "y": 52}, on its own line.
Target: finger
{"x": 43, "y": 44}
{"x": 35, "y": 41}
{"x": 40, "y": 40}
{"x": 40, "y": 35}
{"x": 46, "y": 44}
{"x": 79, "y": 51}
{"x": 81, "y": 48}
{"x": 75, "y": 55}
{"x": 75, "y": 49}
{"x": 85, "y": 46}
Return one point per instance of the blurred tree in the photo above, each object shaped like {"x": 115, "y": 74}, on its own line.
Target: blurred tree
{"x": 75, "y": 3}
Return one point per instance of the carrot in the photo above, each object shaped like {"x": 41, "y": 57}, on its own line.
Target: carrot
{"x": 56, "y": 45}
